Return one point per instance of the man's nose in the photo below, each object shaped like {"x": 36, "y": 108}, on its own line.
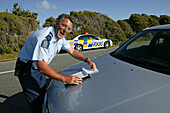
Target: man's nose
{"x": 66, "y": 30}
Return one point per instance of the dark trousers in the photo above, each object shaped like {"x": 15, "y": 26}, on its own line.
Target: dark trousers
{"x": 32, "y": 91}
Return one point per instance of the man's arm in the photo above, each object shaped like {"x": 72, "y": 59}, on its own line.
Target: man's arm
{"x": 76, "y": 54}
{"x": 48, "y": 71}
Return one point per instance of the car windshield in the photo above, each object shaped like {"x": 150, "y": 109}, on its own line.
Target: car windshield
{"x": 72, "y": 38}
{"x": 149, "y": 49}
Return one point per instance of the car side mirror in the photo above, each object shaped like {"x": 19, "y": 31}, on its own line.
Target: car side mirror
{"x": 121, "y": 43}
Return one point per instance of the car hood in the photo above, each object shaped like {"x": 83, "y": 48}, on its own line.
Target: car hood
{"x": 118, "y": 87}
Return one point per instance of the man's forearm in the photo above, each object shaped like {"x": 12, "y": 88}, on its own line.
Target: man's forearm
{"x": 76, "y": 54}
{"x": 48, "y": 71}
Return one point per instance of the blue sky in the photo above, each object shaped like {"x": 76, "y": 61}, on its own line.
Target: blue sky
{"x": 115, "y": 9}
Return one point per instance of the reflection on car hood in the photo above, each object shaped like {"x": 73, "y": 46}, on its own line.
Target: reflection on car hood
{"x": 118, "y": 87}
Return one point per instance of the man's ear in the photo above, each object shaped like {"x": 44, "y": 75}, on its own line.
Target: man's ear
{"x": 56, "y": 22}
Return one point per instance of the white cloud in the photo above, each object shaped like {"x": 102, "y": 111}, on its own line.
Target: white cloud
{"x": 54, "y": 7}
{"x": 46, "y": 5}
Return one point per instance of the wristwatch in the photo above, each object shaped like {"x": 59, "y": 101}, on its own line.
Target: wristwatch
{"x": 86, "y": 59}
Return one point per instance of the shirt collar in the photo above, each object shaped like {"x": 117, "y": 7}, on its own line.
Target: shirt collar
{"x": 55, "y": 38}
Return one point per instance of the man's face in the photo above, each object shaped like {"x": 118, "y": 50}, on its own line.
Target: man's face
{"x": 63, "y": 28}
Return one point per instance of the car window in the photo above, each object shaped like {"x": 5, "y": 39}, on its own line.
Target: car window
{"x": 149, "y": 49}
{"x": 83, "y": 38}
{"x": 93, "y": 37}
{"x": 143, "y": 40}
{"x": 72, "y": 38}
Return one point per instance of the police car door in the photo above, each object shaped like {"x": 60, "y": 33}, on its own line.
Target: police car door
{"x": 83, "y": 40}
{"x": 95, "y": 41}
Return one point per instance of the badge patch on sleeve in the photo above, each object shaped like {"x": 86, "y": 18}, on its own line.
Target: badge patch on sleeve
{"x": 49, "y": 36}
{"x": 46, "y": 42}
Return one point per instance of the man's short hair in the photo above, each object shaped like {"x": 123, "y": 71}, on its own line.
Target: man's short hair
{"x": 65, "y": 16}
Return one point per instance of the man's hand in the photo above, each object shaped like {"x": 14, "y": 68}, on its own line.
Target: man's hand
{"x": 76, "y": 54}
{"x": 73, "y": 79}
{"x": 91, "y": 64}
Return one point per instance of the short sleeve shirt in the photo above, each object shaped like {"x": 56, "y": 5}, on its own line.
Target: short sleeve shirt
{"x": 43, "y": 45}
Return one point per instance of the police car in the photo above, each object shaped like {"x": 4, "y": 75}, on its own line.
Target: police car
{"x": 88, "y": 41}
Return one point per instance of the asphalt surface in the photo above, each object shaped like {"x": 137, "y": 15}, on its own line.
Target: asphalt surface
{"x": 12, "y": 99}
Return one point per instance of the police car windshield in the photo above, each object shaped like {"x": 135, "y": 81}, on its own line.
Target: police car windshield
{"x": 72, "y": 38}
{"x": 86, "y": 37}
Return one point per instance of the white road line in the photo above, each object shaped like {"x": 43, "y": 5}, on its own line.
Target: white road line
{"x": 13, "y": 61}
{"x": 4, "y": 72}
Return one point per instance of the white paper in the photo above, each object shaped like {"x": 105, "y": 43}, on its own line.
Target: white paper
{"x": 88, "y": 70}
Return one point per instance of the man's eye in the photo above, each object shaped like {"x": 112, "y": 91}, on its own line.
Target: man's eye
{"x": 64, "y": 25}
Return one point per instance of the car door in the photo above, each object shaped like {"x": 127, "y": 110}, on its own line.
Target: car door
{"x": 96, "y": 42}
{"x": 83, "y": 40}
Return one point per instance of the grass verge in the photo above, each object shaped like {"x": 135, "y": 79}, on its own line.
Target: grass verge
{"x": 8, "y": 57}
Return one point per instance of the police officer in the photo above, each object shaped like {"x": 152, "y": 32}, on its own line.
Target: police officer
{"x": 38, "y": 51}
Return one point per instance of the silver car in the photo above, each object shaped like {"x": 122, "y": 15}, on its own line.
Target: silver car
{"x": 133, "y": 79}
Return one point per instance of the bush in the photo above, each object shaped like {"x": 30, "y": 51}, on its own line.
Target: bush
{"x": 14, "y": 30}
{"x": 4, "y": 50}
{"x": 8, "y": 50}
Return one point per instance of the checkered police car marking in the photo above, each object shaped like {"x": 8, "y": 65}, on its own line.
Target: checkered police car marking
{"x": 88, "y": 43}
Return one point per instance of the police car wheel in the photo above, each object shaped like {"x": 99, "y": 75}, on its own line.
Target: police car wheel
{"x": 79, "y": 48}
{"x": 106, "y": 44}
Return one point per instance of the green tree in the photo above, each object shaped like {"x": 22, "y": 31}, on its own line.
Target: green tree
{"x": 126, "y": 28}
{"x": 14, "y": 30}
{"x": 97, "y": 24}
{"x": 164, "y": 19}
{"x": 49, "y": 22}
{"x": 151, "y": 20}
{"x": 17, "y": 10}
{"x": 139, "y": 22}
{"x": 154, "y": 16}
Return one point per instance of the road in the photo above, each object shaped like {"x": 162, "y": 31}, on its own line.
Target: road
{"x": 12, "y": 99}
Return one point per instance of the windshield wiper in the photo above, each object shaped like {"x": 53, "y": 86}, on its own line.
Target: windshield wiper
{"x": 160, "y": 67}
{"x": 144, "y": 63}
{"x": 130, "y": 59}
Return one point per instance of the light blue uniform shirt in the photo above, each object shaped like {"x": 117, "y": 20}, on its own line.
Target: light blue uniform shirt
{"x": 42, "y": 45}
